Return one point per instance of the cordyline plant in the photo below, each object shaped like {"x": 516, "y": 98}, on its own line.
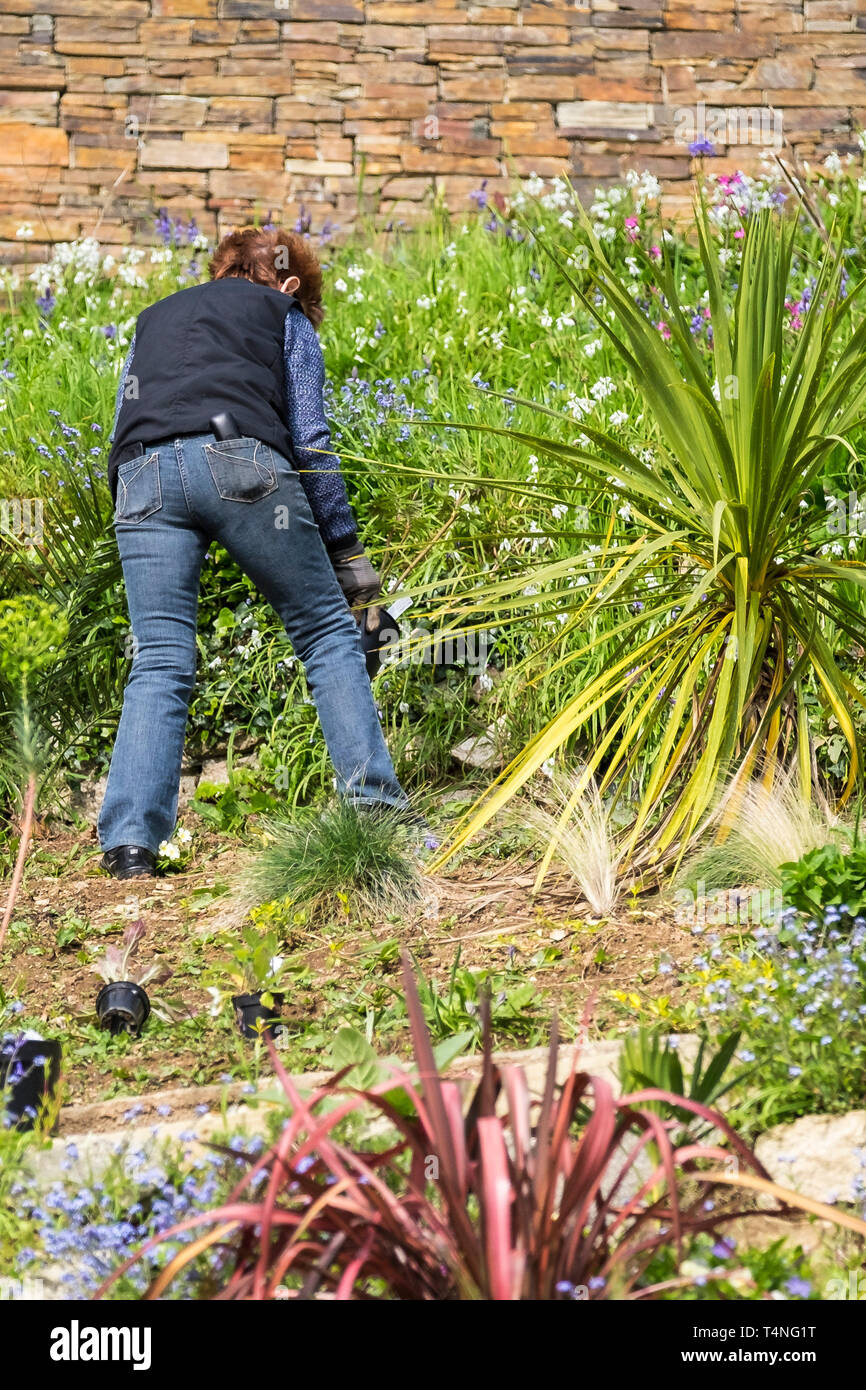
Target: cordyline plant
{"x": 510, "y": 1199}
{"x": 707, "y": 666}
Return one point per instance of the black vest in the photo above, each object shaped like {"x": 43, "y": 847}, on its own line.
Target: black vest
{"x": 216, "y": 346}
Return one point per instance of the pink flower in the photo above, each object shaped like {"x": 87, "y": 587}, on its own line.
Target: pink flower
{"x": 655, "y": 253}
{"x": 632, "y": 222}
{"x": 738, "y": 234}
{"x": 663, "y": 329}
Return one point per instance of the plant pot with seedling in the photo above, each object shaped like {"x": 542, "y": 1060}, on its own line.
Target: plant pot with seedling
{"x": 256, "y": 972}
{"x": 29, "y": 1074}
{"x": 123, "y": 1004}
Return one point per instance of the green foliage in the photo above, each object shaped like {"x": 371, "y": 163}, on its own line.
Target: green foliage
{"x": 254, "y": 964}
{"x": 825, "y": 877}
{"x": 32, "y": 635}
{"x": 457, "y": 1007}
{"x": 710, "y": 663}
{"x": 719, "y": 1270}
{"x": 534, "y": 546}
{"x": 227, "y": 807}
{"x": 651, "y": 1061}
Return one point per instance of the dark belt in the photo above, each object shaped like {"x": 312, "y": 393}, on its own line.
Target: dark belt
{"x": 132, "y": 451}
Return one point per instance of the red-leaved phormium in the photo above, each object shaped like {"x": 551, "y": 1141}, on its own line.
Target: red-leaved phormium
{"x": 504, "y": 1197}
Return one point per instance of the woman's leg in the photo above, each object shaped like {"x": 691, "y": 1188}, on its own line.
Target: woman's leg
{"x": 273, "y": 537}
{"x": 162, "y": 554}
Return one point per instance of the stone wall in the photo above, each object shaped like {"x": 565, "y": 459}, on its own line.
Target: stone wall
{"x": 218, "y": 108}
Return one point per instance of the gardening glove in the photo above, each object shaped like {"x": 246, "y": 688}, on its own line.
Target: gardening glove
{"x": 360, "y": 583}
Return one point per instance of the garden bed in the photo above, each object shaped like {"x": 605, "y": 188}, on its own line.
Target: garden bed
{"x": 547, "y": 952}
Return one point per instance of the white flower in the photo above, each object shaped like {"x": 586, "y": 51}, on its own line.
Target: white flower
{"x": 216, "y": 1001}
{"x": 548, "y": 767}
{"x": 592, "y": 348}
{"x": 579, "y": 406}
{"x": 619, "y": 417}
{"x": 169, "y": 850}
{"x": 601, "y": 388}
{"x": 183, "y": 836}
{"x": 833, "y": 164}
{"x": 340, "y": 285}
{"x": 356, "y": 271}
{"x": 25, "y": 231}
{"x": 424, "y": 302}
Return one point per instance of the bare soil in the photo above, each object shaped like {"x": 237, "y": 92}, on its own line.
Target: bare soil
{"x": 484, "y": 907}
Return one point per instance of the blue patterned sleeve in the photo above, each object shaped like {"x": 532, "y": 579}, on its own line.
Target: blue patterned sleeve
{"x": 319, "y": 472}
{"x": 121, "y": 387}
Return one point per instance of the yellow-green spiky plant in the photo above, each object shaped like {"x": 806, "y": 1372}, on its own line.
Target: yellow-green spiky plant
{"x": 711, "y": 672}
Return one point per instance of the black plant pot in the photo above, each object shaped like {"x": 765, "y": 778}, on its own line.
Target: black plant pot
{"x": 122, "y": 1007}
{"x": 29, "y": 1072}
{"x": 253, "y": 1019}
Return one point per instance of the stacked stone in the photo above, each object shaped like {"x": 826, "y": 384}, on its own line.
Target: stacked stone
{"x": 224, "y": 109}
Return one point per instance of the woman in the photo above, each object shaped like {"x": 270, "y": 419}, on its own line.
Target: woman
{"x": 218, "y": 434}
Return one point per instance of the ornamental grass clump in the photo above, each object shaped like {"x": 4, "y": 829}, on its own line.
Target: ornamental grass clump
{"x": 340, "y": 859}
{"x": 759, "y": 827}
{"x": 578, "y": 825}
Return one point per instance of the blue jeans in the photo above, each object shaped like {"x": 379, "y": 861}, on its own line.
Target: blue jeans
{"x": 173, "y": 499}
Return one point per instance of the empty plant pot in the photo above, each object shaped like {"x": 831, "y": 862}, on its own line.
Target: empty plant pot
{"x": 122, "y": 1007}
{"x": 29, "y": 1073}
{"x": 253, "y": 1019}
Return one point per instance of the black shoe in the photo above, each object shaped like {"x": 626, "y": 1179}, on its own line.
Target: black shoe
{"x": 129, "y": 861}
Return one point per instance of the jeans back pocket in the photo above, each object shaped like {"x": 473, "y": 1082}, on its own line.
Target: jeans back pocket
{"x": 243, "y": 470}
{"x": 139, "y": 491}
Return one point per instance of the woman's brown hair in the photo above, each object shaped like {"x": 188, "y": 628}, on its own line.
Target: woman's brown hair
{"x": 269, "y": 257}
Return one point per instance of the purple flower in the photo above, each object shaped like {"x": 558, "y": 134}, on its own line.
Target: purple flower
{"x": 798, "y": 1288}
{"x": 164, "y": 227}
{"x": 703, "y": 146}
{"x": 479, "y": 195}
